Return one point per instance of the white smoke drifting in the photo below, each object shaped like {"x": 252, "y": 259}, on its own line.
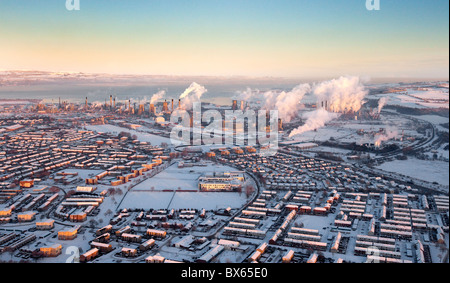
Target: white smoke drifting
{"x": 287, "y": 103}
{"x": 341, "y": 95}
{"x": 192, "y": 94}
{"x": 157, "y": 96}
{"x": 315, "y": 120}
{"x": 381, "y": 103}
{"x": 389, "y": 134}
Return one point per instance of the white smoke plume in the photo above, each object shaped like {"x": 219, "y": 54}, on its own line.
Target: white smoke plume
{"x": 389, "y": 134}
{"x": 246, "y": 95}
{"x": 287, "y": 103}
{"x": 97, "y": 104}
{"x": 315, "y": 120}
{"x": 341, "y": 95}
{"x": 381, "y": 103}
{"x": 157, "y": 96}
{"x": 192, "y": 94}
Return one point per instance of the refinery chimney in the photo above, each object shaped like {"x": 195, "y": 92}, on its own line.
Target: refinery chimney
{"x": 152, "y": 109}
{"x": 234, "y": 106}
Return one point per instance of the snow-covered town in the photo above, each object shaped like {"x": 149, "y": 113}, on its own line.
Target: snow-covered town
{"x": 240, "y": 139}
{"x": 103, "y": 183}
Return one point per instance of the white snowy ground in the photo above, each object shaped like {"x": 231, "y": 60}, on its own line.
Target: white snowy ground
{"x": 143, "y": 137}
{"x": 431, "y": 171}
{"x": 174, "y": 178}
{"x": 178, "y": 200}
{"x": 414, "y": 99}
{"x": 82, "y": 173}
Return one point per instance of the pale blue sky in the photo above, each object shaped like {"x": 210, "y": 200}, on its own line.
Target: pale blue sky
{"x": 296, "y": 38}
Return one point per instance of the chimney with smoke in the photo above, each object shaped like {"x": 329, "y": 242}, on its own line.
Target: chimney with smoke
{"x": 280, "y": 124}
{"x": 234, "y": 106}
{"x": 192, "y": 94}
{"x": 152, "y": 109}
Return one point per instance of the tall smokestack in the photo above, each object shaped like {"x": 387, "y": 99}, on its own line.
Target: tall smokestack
{"x": 179, "y": 103}
{"x": 152, "y": 109}
{"x": 165, "y": 106}
{"x": 172, "y": 104}
{"x": 110, "y": 102}
{"x": 234, "y": 106}
{"x": 114, "y": 103}
{"x": 242, "y": 105}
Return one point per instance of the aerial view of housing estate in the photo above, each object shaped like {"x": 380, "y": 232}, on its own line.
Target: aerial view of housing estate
{"x": 224, "y": 132}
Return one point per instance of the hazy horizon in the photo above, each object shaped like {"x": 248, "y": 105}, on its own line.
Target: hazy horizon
{"x": 289, "y": 38}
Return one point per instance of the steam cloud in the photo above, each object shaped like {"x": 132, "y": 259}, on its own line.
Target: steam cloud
{"x": 390, "y": 134}
{"x": 157, "y": 96}
{"x": 192, "y": 94}
{"x": 381, "y": 103}
{"x": 343, "y": 94}
{"x": 315, "y": 120}
{"x": 287, "y": 103}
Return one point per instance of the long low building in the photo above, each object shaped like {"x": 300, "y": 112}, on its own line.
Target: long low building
{"x": 211, "y": 254}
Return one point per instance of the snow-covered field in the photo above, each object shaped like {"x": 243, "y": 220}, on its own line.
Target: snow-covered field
{"x": 143, "y": 137}
{"x": 313, "y": 222}
{"x": 430, "y": 94}
{"x": 149, "y": 194}
{"x": 433, "y": 98}
{"x": 184, "y": 178}
{"x": 431, "y": 171}
{"x": 178, "y": 200}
